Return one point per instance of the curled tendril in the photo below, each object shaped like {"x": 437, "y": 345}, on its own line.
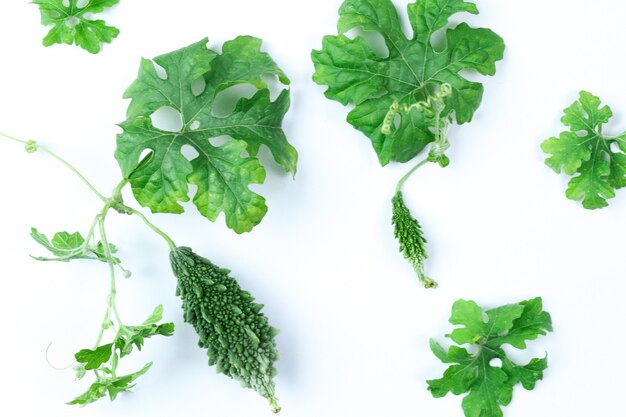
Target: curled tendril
{"x": 438, "y": 156}
{"x": 389, "y": 118}
{"x": 31, "y": 146}
{"x": 421, "y": 105}
{"x": 433, "y": 105}
{"x": 445, "y": 90}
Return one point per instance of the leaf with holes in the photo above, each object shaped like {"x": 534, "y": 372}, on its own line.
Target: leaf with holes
{"x": 222, "y": 174}
{"x": 489, "y": 384}
{"x": 72, "y": 24}
{"x": 597, "y": 162}
{"x": 412, "y": 73}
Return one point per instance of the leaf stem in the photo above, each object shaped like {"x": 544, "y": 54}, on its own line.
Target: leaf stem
{"x": 23, "y": 142}
{"x": 408, "y": 174}
{"x": 90, "y": 234}
{"x": 109, "y": 256}
{"x": 33, "y": 146}
{"x": 75, "y": 171}
{"x": 116, "y": 195}
{"x": 154, "y": 228}
{"x": 114, "y": 202}
{"x": 111, "y": 297}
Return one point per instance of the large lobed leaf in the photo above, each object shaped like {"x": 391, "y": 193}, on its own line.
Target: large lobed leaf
{"x": 72, "y": 23}
{"x": 222, "y": 174}
{"x": 598, "y": 168}
{"x": 355, "y": 74}
{"x": 490, "y": 386}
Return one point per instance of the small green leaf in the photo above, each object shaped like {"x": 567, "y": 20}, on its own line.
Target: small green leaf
{"x": 96, "y": 391}
{"x": 156, "y": 316}
{"x": 584, "y": 152}
{"x": 71, "y": 246}
{"x": 100, "y": 253}
{"x": 488, "y": 386}
{"x": 66, "y": 241}
{"x": 64, "y": 245}
{"x": 74, "y": 25}
{"x": 111, "y": 386}
{"x": 41, "y": 239}
{"x": 93, "y": 359}
{"x": 79, "y": 371}
{"x": 136, "y": 335}
{"x": 125, "y": 383}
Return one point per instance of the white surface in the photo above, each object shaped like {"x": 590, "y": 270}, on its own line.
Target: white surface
{"x": 355, "y": 323}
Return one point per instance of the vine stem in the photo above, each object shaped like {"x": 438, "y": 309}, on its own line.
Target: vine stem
{"x": 154, "y": 228}
{"x": 408, "y": 174}
{"x": 112, "y": 305}
{"x": 114, "y": 202}
{"x": 75, "y": 171}
{"x": 109, "y": 256}
{"x": 35, "y": 146}
{"x": 23, "y": 142}
{"x": 440, "y": 141}
{"x": 112, "y": 297}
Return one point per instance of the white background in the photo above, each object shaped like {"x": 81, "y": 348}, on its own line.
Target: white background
{"x": 355, "y": 323}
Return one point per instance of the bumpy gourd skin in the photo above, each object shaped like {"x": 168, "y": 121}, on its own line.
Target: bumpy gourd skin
{"x": 237, "y": 336}
{"x": 409, "y": 234}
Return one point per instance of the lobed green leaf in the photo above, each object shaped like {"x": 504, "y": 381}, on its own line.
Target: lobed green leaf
{"x": 93, "y": 359}
{"x": 70, "y": 246}
{"x": 111, "y": 386}
{"x": 412, "y": 71}
{"x": 222, "y": 174}
{"x": 72, "y": 24}
{"x": 489, "y": 387}
{"x": 598, "y": 168}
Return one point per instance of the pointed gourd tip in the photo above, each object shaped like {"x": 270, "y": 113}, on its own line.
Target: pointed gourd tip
{"x": 274, "y": 404}
{"x": 430, "y": 283}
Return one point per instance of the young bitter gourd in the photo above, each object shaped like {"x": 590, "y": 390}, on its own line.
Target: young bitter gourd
{"x": 411, "y": 237}
{"x": 236, "y": 335}
{"x": 406, "y": 98}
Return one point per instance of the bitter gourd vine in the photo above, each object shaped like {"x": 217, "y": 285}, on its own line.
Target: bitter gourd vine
{"x": 406, "y": 101}
{"x": 237, "y": 336}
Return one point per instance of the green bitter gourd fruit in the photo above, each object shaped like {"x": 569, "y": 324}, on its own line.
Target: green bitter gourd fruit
{"x": 411, "y": 237}
{"x": 237, "y": 336}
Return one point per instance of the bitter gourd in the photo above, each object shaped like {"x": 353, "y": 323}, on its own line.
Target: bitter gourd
{"x": 411, "y": 238}
{"x": 237, "y": 336}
